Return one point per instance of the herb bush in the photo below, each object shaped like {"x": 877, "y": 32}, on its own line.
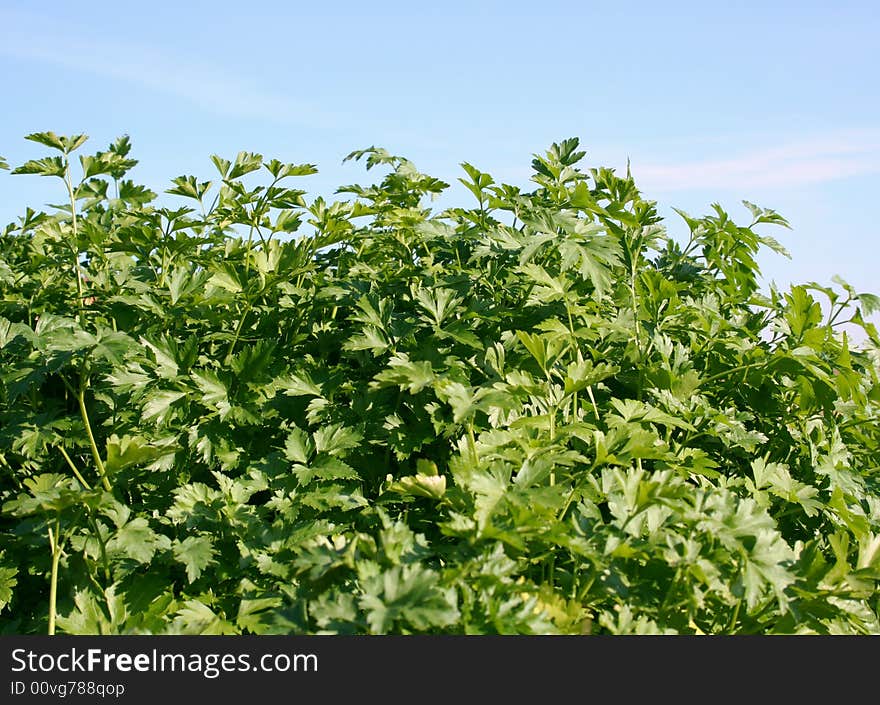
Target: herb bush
{"x": 264, "y": 413}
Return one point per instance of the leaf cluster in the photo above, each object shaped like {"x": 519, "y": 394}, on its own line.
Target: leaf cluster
{"x": 260, "y": 412}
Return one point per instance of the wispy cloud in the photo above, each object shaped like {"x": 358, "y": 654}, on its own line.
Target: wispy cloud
{"x": 795, "y": 163}
{"x": 214, "y": 88}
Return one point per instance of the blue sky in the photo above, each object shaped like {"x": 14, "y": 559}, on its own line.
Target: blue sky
{"x": 773, "y": 102}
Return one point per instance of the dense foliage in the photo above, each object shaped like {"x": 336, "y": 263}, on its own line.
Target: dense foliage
{"x": 264, "y": 413}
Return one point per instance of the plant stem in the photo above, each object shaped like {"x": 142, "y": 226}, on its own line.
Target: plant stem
{"x": 238, "y": 330}
{"x": 673, "y": 586}
{"x": 102, "y": 470}
{"x": 472, "y": 443}
{"x": 731, "y": 370}
{"x": 74, "y": 469}
{"x": 734, "y": 617}
{"x": 636, "y": 327}
{"x": 75, "y": 244}
{"x": 567, "y": 504}
{"x": 637, "y": 332}
{"x": 103, "y": 545}
{"x": 164, "y": 256}
{"x": 593, "y": 401}
{"x": 55, "y": 547}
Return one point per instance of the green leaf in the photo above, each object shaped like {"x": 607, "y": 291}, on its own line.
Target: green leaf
{"x": 766, "y": 215}
{"x": 48, "y": 166}
{"x": 92, "y": 615}
{"x": 281, "y": 171}
{"x": 136, "y": 540}
{"x": 245, "y": 162}
{"x": 297, "y": 385}
{"x": 870, "y": 303}
{"x": 632, "y": 410}
{"x": 8, "y": 581}
{"x": 189, "y": 187}
{"x": 582, "y": 374}
{"x": 50, "y": 494}
{"x": 214, "y": 391}
{"x": 405, "y": 374}
{"x": 132, "y": 450}
{"x": 61, "y": 143}
{"x": 430, "y": 485}
{"x": 407, "y": 594}
{"x": 299, "y": 446}
{"x": 545, "y": 348}
{"x": 336, "y": 439}
{"x": 195, "y": 617}
{"x": 227, "y": 279}
{"x": 196, "y": 553}
{"x": 253, "y": 614}
{"x": 157, "y": 405}
{"x": 438, "y": 303}
{"x": 133, "y": 193}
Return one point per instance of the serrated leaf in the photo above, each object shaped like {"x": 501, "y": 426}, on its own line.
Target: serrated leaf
{"x": 410, "y": 594}
{"x": 137, "y": 541}
{"x": 214, "y": 392}
{"x": 48, "y": 166}
{"x": 405, "y": 374}
{"x": 299, "y": 446}
{"x": 245, "y": 162}
{"x": 226, "y": 279}
{"x": 870, "y": 303}
{"x": 53, "y": 141}
{"x": 189, "y": 187}
{"x": 196, "y": 553}
{"x": 132, "y": 450}
{"x": 8, "y": 581}
{"x": 195, "y": 617}
{"x": 335, "y": 439}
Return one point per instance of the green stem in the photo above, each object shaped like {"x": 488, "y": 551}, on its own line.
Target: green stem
{"x": 164, "y": 256}
{"x": 636, "y": 327}
{"x": 567, "y": 504}
{"x": 247, "y": 255}
{"x": 574, "y": 398}
{"x": 238, "y": 330}
{"x": 102, "y": 470}
{"x": 74, "y": 246}
{"x": 553, "y": 410}
{"x": 593, "y": 401}
{"x": 585, "y": 588}
{"x": 840, "y": 309}
{"x": 673, "y": 587}
{"x": 856, "y": 422}
{"x": 472, "y": 443}
{"x": 55, "y": 547}
{"x": 732, "y": 370}
{"x": 570, "y": 321}
{"x": 734, "y": 617}
{"x": 103, "y": 545}
{"x": 74, "y": 468}
{"x": 256, "y": 214}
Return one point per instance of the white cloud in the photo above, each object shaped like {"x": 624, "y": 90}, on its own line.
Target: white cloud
{"x": 211, "y": 87}
{"x": 794, "y": 163}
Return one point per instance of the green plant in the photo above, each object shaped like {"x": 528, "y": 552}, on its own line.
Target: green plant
{"x": 260, "y": 413}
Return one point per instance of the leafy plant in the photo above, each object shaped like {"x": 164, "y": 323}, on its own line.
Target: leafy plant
{"x": 255, "y": 412}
